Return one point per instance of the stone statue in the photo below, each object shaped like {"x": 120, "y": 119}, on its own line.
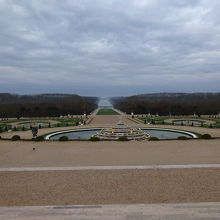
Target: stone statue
{"x": 34, "y": 131}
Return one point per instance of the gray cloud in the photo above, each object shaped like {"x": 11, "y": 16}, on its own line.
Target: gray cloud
{"x": 109, "y": 47}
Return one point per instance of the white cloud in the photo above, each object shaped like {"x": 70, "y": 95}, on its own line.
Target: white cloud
{"x": 113, "y": 43}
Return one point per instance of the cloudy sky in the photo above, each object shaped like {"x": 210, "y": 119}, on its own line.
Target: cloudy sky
{"x": 109, "y": 47}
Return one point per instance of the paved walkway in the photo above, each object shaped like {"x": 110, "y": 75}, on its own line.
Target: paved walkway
{"x": 181, "y": 211}
{"x": 17, "y": 169}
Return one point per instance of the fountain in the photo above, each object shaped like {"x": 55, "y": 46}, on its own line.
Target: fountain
{"x": 121, "y": 131}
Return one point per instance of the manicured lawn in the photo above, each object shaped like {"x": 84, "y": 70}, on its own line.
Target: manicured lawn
{"x": 107, "y": 111}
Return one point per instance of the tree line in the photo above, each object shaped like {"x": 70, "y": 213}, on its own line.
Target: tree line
{"x": 170, "y": 103}
{"x": 45, "y": 105}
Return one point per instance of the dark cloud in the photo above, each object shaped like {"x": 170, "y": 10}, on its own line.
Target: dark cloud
{"x": 109, "y": 47}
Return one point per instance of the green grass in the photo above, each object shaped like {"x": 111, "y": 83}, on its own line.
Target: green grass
{"x": 107, "y": 111}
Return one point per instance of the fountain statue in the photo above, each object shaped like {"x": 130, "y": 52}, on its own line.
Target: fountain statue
{"x": 121, "y": 130}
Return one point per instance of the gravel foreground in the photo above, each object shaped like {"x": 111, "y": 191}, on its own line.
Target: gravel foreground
{"x": 109, "y": 187}
{"x": 92, "y": 187}
{"x": 108, "y": 153}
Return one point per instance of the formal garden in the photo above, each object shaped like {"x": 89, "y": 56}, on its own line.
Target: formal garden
{"x": 28, "y": 123}
{"x": 207, "y": 122}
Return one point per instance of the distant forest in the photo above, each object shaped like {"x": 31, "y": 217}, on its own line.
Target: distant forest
{"x": 44, "y": 105}
{"x": 170, "y": 103}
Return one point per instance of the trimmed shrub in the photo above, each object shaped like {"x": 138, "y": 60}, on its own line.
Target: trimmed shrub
{"x": 63, "y": 138}
{"x": 15, "y": 138}
{"x": 206, "y": 136}
{"x": 94, "y": 139}
{"x": 182, "y": 138}
{"x": 39, "y": 138}
{"x": 123, "y": 138}
{"x": 153, "y": 139}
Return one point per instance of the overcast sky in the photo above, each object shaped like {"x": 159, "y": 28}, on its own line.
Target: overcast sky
{"x": 109, "y": 47}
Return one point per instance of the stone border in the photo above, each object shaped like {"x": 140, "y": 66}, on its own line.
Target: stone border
{"x": 207, "y": 122}
{"x": 187, "y": 166}
{"x": 67, "y": 131}
{"x": 191, "y": 210}
{"x": 17, "y": 124}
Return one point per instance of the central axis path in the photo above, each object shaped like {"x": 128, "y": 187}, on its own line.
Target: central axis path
{"x": 111, "y": 119}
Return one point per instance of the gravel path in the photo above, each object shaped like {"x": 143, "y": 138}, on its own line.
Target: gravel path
{"x": 109, "y": 186}
{"x": 108, "y": 153}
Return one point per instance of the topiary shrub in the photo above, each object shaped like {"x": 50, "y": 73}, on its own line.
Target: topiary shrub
{"x": 206, "y": 136}
{"x": 94, "y": 138}
{"x": 39, "y": 138}
{"x": 182, "y": 138}
{"x": 15, "y": 138}
{"x": 63, "y": 138}
{"x": 153, "y": 139}
{"x": 123, "y": 138}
